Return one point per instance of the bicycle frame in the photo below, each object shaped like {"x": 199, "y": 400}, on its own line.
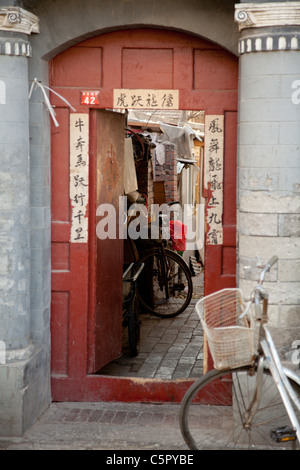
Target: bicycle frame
{"x": 268, "y": 357}
{"x": 265, "y": 401}
{"x": 162, "y": 260}
{"x": 286, "y": 391}
{"x": 164, "y": 269}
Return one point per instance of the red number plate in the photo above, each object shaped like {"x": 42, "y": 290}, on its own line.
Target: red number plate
{"x": 89, "y": 97}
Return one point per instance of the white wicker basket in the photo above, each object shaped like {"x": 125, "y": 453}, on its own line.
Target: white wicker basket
{"x": 231, "y": 340}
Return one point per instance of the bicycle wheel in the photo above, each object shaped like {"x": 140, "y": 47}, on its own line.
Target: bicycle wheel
{"x": 165, "y": 288}
{"x": 134, "y": 327}
{"x": 214, "y": 410}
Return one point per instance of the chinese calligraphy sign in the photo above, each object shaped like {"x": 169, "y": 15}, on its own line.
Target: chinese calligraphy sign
{"x": 146, "y": 99}
{"x": 79, "y": 176}
{"x": 213, "y": 177}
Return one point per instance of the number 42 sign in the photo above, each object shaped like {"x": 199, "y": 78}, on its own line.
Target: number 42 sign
{"x": 89, "y": 97}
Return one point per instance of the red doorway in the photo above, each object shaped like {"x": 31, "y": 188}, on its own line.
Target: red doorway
{"x": 206, "y": 78}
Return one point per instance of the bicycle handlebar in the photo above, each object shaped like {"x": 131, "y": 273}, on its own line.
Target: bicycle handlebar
{"x": 267, "y": 268}
{"x": 260, "y": 293}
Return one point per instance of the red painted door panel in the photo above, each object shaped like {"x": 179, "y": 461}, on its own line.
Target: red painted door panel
{"x": 69, "y": 281}
{"x": 220, "y": 260}
{"x": 152, "y": 66}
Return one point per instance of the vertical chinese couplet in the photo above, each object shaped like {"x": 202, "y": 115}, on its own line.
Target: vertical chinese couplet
{"x": 213, "y": 177}
{"x": 79, "y": 176}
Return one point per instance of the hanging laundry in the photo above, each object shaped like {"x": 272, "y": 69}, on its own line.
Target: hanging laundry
{"x": 160, "y": 153}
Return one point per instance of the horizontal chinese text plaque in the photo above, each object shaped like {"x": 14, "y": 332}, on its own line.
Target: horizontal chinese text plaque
{"x": 146, "y": 99}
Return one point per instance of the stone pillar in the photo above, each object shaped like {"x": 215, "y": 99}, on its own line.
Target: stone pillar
{"x": 269, "y": 158}
{"x": 15, "y": 26}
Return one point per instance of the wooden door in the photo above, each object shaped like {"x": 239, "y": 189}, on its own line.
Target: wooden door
{"x": 106, "y": 261}
{"x": 86, "y": 277}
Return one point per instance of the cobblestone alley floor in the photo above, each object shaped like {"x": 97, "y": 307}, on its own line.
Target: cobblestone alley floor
{"x": 169, "y": 349}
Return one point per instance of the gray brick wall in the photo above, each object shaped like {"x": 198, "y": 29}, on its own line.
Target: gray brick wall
{"x": 269, "y": 182}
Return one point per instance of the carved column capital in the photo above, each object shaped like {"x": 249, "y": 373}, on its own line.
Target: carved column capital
{"x": 259, "y": 15}
{"x": 268, "y": 26}
{"x": 17, "y": 20}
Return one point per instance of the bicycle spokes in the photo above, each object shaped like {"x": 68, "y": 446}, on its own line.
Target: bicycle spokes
{"x": 170, "y": 287}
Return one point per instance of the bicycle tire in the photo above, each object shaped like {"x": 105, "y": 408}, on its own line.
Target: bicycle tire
{"x": 169, "y": 299}
{"x": 211, "y": 415}
{"x": 133, "y": 327}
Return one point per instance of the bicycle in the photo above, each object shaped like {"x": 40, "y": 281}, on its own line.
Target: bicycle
{"x": 130, "y": 317}
{"x": 165, "y": 289}
{"x": 256, "y": 399}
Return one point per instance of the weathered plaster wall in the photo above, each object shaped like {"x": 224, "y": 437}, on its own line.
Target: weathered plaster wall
{"x": 66, "y": 22}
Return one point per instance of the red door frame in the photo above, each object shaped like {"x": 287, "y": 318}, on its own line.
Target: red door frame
{"x": 75, "y": 384}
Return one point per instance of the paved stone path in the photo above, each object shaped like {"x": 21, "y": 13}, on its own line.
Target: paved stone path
{"x": 117, "y": 426}
{"x": 171, "y": 348}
